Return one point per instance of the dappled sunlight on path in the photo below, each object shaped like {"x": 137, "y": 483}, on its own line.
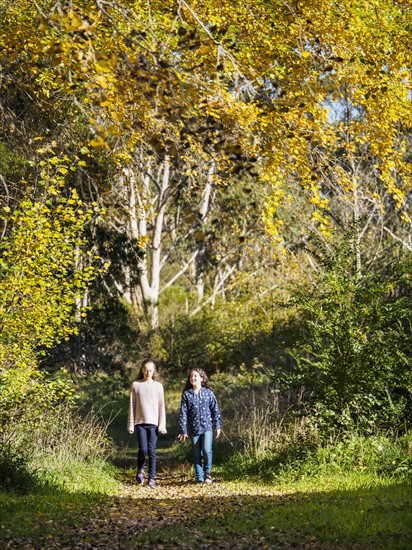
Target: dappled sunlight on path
{"x": 183, "y": 514}
{"x": 180, "y": 513}
{"x": 179, "y": 499}
{"x": 177, "y": 513}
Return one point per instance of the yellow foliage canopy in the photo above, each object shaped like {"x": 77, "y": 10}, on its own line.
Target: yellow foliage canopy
{"x": 296, "y": 84}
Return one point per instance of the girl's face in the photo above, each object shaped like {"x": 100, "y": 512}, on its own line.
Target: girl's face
{"x": 148, "y": 371}
{"x": 195, "y": 379}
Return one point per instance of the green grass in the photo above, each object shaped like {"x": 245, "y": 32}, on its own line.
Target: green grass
{"x": 378, "y": 518}
{"x": 73, "y": 475}
{"x": 354, "y": 511}
{"x": 66, "y": 491}
{"x": 44, "y": 514}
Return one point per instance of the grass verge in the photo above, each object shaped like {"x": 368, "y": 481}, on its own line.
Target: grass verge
{"x": 67, "y": 493}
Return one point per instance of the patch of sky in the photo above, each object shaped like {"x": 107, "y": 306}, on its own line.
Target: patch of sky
{"x": 341, "y": 109}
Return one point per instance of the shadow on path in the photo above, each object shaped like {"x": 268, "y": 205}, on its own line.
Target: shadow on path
{"x": 182, "y": 514}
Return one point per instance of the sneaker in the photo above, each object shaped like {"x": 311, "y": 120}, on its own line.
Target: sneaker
{"x": 208, "y": 479}
{"x": 140, "y": 477}
{"x": 151, "y": 484}
{"x": 199, "y": 481}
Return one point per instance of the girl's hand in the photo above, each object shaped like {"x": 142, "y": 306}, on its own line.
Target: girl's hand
{"x": 217, "y": 433}
{"x": 182, "y": 437}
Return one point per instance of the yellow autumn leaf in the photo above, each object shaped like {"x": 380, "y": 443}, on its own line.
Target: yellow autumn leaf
{"x": 102, "y": 80}
{"x": 76, "y": 23}
{"x": 204, "y": 49}
{"x": 102, "y": 66}
{"x": 96, "y": 143}
{"x": 116, "y": 116}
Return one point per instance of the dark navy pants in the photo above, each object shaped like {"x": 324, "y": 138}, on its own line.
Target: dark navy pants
{"x": 147, "y": 436}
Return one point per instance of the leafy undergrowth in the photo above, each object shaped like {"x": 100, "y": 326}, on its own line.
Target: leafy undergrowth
{"x": 237, "y": 515}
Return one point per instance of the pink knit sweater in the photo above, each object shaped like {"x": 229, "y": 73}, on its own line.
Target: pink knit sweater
{"x": 147, "y": 405}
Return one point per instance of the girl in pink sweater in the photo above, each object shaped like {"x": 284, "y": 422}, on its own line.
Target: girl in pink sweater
{"x": 147, "y": 416}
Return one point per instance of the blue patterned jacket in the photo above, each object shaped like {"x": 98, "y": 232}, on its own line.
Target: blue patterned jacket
{"x": 199, "y": 413}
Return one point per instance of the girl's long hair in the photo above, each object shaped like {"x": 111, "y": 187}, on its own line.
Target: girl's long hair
{"x": 203, "y": 375}
{"x": 140, "y": 376}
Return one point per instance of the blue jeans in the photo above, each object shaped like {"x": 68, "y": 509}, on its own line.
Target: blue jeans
{"x": 202, "y": 453}
{"x": 147, "y": 436}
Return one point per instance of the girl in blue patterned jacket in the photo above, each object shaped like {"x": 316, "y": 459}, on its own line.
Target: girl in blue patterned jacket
{"x": 199, "y": 416}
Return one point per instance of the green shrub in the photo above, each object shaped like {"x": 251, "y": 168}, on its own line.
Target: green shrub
{"x": 44, "y": 435}
{"x": 239, "y": 331}
{"x": 15, "y": 472}
{"x": 379, "y": 456}
{"x": 262, "y": 440}
{"x": 353, "y": 352}
{"x": 373, "y": 456}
